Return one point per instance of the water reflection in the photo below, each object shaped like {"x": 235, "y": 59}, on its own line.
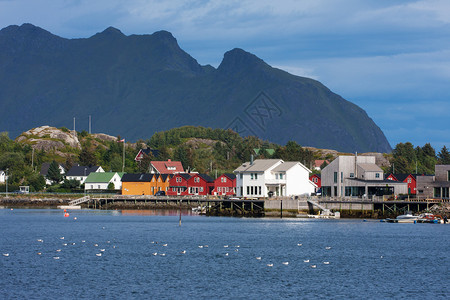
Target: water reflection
{"x": 156, "y": 212}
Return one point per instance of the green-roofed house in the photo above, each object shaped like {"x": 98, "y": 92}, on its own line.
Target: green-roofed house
{"x": 100, "y": 181}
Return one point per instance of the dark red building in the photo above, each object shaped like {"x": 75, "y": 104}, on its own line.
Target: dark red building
{"x": 408, "y": 178}
{"x": 200, "y": 184}
{"x": 225, "y": 185}
{"x": 316, "y": 179}
{"x": 178, "y": 185}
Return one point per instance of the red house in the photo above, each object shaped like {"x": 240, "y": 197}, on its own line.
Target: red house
{"x": 178, "y": 185}
{"x": 408, "y": 178}
{"x": 166, "y": 167}
{"x": 317, "y": 180}
{"x": 200, "y": 184}
{"x": 225, "y": 185}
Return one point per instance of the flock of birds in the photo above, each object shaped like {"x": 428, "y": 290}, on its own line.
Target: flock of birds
{"x": 236, "y": 249}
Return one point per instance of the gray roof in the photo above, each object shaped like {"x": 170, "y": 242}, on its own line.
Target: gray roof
{"x": 285, "y": 166}
{"x": 259, "y": 165}
{"x": 370, "y": 167}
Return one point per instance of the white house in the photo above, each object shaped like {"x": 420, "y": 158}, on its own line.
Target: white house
{"x": 272, "y": 177}
{"x": 2, "y": 176}
{"x": 44, "y": 172}
{"x": 80, "y": 173}
{"x": 101, "y": 180}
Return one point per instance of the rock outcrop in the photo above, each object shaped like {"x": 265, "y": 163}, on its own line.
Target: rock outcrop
{"x": 49, "y": 138}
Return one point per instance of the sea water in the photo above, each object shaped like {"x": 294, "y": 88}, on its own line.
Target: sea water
{"x": 147, "y": 255}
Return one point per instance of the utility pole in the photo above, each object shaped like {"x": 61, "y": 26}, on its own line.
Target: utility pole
{"x": 74, "y": 132}
{"x": 123, "y": 165}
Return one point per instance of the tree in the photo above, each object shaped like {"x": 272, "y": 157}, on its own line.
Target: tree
{"x": 53, "y": 173}
{"x": 87, "y": 157}
{"x": 111, "y": 186}
{"x": 444, "y": 156}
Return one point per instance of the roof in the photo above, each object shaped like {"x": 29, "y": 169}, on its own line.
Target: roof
{"x": 104, "y": 177}
{"x": 45, "y": 166}
{"x": 230, "y": 175}
{"x": 206, "y": 177}
{"x": 319, "y": 162}
{"x": 147, "y": 151}
{"x": 120, "y": 174}
{"x": 164, "y": 176}
{"x": 285, "y": 166}
{"x": 259, "y": 165}
{"x": 167, "y": 167}
{"x": 370, "y": 167}
{"x": 139, "y": 177}
{"x": 268, "y": 151}
{"x": 184, "y": 175}
{"x": 316, "y": 175}
{"x": 81, "y": 170}
{"x": 403, "y": 176}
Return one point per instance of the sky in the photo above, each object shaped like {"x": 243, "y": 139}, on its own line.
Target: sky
{"x": 390, "y": 57}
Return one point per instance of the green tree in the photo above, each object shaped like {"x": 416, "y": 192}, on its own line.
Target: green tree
{"x": 444, "y": 156}
{"x": 54, "y": 173}
{"x": 111, "y": 186}
{"x": 87, "y": 157}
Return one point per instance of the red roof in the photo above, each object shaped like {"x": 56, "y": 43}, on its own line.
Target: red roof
{"x": 168, "y": 167}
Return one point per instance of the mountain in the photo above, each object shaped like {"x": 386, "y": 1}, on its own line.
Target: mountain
{"x": 138, "y": 84}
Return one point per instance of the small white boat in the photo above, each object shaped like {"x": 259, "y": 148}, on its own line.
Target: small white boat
{"x": 406, "y": 218}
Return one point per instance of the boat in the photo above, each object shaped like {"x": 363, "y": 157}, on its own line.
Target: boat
{"x": 430, "y": 218}
{"x": 326, "y": 214}
{"x": 406, "y": 218}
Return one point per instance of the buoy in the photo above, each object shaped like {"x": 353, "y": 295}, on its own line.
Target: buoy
{"x": 66, "y": 215}
{"x": 75, "y": 218}
{"x": 65, "y": 210}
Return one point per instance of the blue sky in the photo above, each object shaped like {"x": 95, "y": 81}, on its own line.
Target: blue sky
{"x": 392, "y": 58}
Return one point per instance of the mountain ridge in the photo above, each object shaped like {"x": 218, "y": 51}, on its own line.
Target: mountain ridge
{"x": 139, "y": 84}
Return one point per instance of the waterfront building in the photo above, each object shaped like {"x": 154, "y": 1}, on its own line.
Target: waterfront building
{"x": 357, "y": 176}
{"x": 200, "y": 184}
{"x": 100, "y": 181}
{"x": 272, "y": 177}
{"x": 141, "y": 154}
{"x": 136, "y": 184}
{"x": 80, "y": 173}
{"x": 178, "y": 184}
{"x": 435, "y": 186}
{"x": 225, "y": 185}
{"x": 410, "y": 179}
{"x": 317, "y": 181}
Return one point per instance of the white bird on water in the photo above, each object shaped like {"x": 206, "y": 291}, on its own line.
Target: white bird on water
{"x": 226, "y": 254}
{"x": 306, "y": 260}
{"x": 299, "y": 244}
{"x": 40, "y": 240}
{"x": 98, "y": 254}
{"x": 200, "y": 247}
{"x": 6, "y": 254}
{"x": 285, "y": 263}
{"x": 183, "y": 252}
{"x": 155, "y": 253}
{"x": 61, "y": 238}
{"x": 326, "y": 262}
{"x": 102, "y": 250}
{"x": 58, "y": 250}
{"x": 327, "y": 248}
{"x": 313, "y": 266}
{"x": 270, "y": 265}
{"x": 164, "y": 245}
{"x": 259, "y": 258}
{"x": 226, "y": 246}
{"x": 55, "y": 257}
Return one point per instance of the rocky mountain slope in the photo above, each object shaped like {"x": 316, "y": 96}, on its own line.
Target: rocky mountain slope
{"x": 139, "y": 84}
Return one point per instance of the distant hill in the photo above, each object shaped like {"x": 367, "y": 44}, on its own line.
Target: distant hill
{"x": 139, "y": 84}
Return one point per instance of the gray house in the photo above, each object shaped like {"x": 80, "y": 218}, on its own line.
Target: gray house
{"x": 435, "y": 186}
{"x": 357, "y": 176}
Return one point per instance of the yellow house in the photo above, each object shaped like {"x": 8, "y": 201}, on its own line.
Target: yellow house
{"x": 137, "y": 184}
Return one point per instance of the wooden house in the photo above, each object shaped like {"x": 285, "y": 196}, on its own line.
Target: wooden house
{"x": 225, "y": 185}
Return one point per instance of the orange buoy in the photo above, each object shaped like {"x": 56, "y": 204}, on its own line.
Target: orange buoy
{"x": 64, "y": 210}
{"x": 66, "y": 214}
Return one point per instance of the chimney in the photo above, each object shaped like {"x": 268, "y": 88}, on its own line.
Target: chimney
{"x": 251, "y": 159}
{"x": 169, "y": 160}
{"x": 356, "y": 164}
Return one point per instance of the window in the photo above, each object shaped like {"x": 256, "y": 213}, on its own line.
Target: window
{"x": 218, "y": 189}
{"x": 196, "y": 179}
{"x": 178, "y": 179}
{"x": 174, "y": 189}
{"x": 259, "y": 190}
{"x": 335, "y": 177}
{"x": 377, "y": 175}
{"x": 99, "y": 186}
{"x": 248, "y": 190}
{"x": 448, "y": 175}
{"x": 352, "y": 175}
{"x": 342, "y": 178}
{"x": 92, "y": 186}
{"x": 201, "y": 189}
{"x": 241, "y": 175}
{"x": 251, "y": 190}
{"x": 409, "y": 180}
{"x": 281, "y": 175}
{"x": 256, "y": 176}
{"x": 251, "y": 176}
{"x": 276, "y": 175}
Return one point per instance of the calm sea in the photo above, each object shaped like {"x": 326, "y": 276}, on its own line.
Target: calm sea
{"x": 141, "y": 257}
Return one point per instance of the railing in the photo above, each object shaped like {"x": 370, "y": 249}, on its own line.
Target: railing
{"x": 79, "y": 201}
